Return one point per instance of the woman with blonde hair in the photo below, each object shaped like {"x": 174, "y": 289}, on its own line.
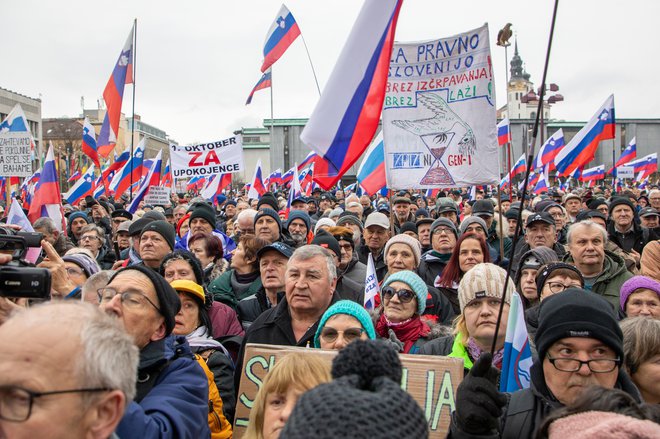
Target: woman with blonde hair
{"x": 292, "y": 375}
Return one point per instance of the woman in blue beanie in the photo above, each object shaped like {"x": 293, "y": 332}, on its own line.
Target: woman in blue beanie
{"x": 342, "y": 323}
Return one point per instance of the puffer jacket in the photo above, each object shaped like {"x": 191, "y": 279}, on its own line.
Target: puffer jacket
{"x": 176, "y": 406}
{"x": 614, "y": 274}
{"x": 526, "y": 409}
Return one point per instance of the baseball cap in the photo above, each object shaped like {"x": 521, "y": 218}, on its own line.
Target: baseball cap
{"x": 648, "y": 211}
{"x": 483, "y": 207}
{"x": 279, "y": 247}
{"x": 377, "y": 219}
{"x": 544, "y": 217}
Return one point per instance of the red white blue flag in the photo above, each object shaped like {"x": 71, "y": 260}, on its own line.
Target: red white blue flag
{"x": 582, "y": 147}
{"x": 628, "y": 154}
{"x": 311, "y": 158}
{"x": 216, "y": 185}
{"x": 113, "y": 95}
{"x": 503, "y": 132}
{"x": 75, "y": 176}
{"x": 166, "y": 181}
{"x": 593, "y": 174}
{"x": 281, "y": 34}
{"x": 257, "y": 188}
{"x": 371, "y": 174}
{"x": 549, "y": 150}
{"x": 264, "y": 82}
{"x": 47, "y": 201}
{"x": 82, "y": 188}
{"x": 89, "y": 142}
{"x": 371, "y": 287}
{"x": 130, "y": 173}
{"x": 519, "y": 167}
{"x": 347, "y": 115}
{"x": 152, "y": 179}
{"x": 517, "y": 360}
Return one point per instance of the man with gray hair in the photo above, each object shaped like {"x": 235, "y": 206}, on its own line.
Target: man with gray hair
{"x": 309, "y": 284}
{"x": 89, "y": 290}
{"x": 245, "y": 223}
{"x": 58, "y": 240}
{"x": 604, "y": 272}
{"x": 86, "y": 394}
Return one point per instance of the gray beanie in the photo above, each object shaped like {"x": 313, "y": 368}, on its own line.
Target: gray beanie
{"x": 444, "y": 222}
{"x": 471, "y": 220}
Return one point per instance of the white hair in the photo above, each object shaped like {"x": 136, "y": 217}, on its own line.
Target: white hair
{"x": 247, "y": 213}
{"x": 94, "y": 282}
{"x": 586, "y": 224}
{"x": 310, "y": 251}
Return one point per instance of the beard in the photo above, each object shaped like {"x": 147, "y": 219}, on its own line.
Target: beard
{"x": 298, "y": 238}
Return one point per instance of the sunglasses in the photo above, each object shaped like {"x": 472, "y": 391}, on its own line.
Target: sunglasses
{"x": 405, "y": 296}
{"x": 330, "y": 334}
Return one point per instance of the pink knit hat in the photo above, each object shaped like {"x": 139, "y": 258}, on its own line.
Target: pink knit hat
{"x": 597, "y": 425}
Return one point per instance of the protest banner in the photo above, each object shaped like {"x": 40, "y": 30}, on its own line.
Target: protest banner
{"x": 206, "y": 159}
{"x": 158, "y": 195}
{"x": 15, "y": 154}
{"x": 439, "y": 120}
{"x": 431, "y": 380}
{"x": 625, "y": 172}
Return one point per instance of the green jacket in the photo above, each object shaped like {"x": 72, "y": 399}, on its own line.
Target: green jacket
{"x": 458, "y": 350}
{"x": 614, "y": 274}
{"x": 222, "y": 290}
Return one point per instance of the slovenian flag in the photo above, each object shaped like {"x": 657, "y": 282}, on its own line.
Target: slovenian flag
{"x": 311, "y": 158}
{"x": 542, "y": 183}
{"x": 113, "y": 95}
{"x": 82, "y": 188}
{"x": 264, "y": 82}
{"x": 504, "y": 132}
{"x": 371, "y": 173}
{"x": 371, "y": 287}
{"x": 131, "y": 171}
{"x": 582, "y": 147}
{"x": 517, "y": 359}
{"x": 346, "y": 117}
{"x": 152, "y": 179}
{"x": 628, "y": 154}
{"x": 519, "y": 167}
{"x": 257, "y": 188}
{"x": 549, "y": 150}
{"x": 47, "y": 199}
{"x": 593, "y": 174}
{"x": 89, "y": 142}
{"x": 281, "y": 34}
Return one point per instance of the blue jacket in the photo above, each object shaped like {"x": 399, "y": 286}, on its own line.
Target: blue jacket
{"x": 177, "y": 404}
{"x": 228, "y": 244}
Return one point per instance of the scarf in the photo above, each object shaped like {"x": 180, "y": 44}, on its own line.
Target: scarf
{"x": 408, "y": 331}
{"x": 200, "y": 340}
{"x": 475, "y": 352}
{"x": 240, "y": 283}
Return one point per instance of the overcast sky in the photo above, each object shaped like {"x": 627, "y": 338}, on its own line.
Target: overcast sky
{"x": 198, "y": 60}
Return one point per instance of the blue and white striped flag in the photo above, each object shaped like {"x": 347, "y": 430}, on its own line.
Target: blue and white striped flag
{"x": 371, "y": 287}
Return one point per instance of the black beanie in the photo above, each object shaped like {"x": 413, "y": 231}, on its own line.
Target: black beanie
{"x": 617, "y": 201}
{"x": 268, "y": 200}
{"x": 550, "y": 268}
{"x": 595, "y": 202}
{"x": 168, "y": 300}
{"x": 577, "y": 313}
{"x": 271, "y": 213}
{"x": 205, "y": 212}
{"x": 367, "y": 380}
{"x": 165, "y": 229}
{"x": 327, "y": 241}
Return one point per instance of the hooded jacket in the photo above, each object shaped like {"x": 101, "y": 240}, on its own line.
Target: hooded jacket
{"x": 522, "y": 247}
{"x": 253, "y": 306}
{"x": 544, "y": 255}
{"x": 176, "y": 406}
{"x": 526, "y": 409}
{"x": 430, "y": 267}
{"x": 614, "y": 274}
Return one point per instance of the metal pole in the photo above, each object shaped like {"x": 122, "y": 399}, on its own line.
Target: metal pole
{"x": 311, "y": 64}
{"x": 509, "y": 146}
{"x": 130, "y": 197}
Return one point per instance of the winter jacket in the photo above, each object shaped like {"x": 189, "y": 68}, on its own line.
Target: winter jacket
{"x": 544, "y": 255}
{"x": 614, "y": 274}
{"x": 522, "y": 247}
{"x": 494, "y": 242}
{"x": 252, "y": 307}
{"x": 224, "y": 320}
{"x": 222, "y": 367}
{"x": 63, "y": 244}
{"x": 355, "y": 270}
{"x": 222, "y": 290}
{"x": 215, "y": 270}
{"x": 437, "y": 332}
{"x": 228, "y": 245}
{"x": 176, "y": 404}
{"x": 526, "y": 409}
{"x": 219, "y": 426}
{"x": 106, "y": 258}
{"x": 348, "y": 289}
{"x": 379, "y": 262}
{"x": 430, "y": 267}
{"x": 274, "y": 327}
{"x": 448, "y": 346}
{"x": 635, "y": 239}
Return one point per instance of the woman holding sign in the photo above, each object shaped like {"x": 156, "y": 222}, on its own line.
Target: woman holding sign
{"x": 479, "y": 295}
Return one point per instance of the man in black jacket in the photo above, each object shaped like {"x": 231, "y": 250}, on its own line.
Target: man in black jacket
{"x": 624, "y": 231}
{"x": 310, "y": 281}
{"x": 579, "y": 345}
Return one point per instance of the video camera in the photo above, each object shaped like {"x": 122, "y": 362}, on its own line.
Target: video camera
{"x": 19, "y": 278}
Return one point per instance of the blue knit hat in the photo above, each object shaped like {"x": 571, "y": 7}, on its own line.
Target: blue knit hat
{"x": 352, "y": 309}
{"x": 78, "y": 214}
{"x": 302, "y": 215}
{"x": 413, "y": 281}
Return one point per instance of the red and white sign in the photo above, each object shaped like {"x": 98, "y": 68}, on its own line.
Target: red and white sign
{"x": 206, "y": 159}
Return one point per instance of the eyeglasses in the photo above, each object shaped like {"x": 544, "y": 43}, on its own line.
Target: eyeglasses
{"x": 557, "y": 215}
{"x": 603, "y": 365}
{"x": 558, "y": 287}
{"x": 129, "y": 299}
{"x": 330, "y": 334}
{"x": 405, "y": 296}
{"x": 88, "y": 237}
{"x": 445, "y": 230}
{"x": 74, "y": 271}
{"x": 16, "y": 402}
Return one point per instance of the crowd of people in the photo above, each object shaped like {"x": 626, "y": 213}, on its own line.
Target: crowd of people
{"x": 150, "y": 314}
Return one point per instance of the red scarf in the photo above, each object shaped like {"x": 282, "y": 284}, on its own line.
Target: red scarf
{"x": 407, "y": 332}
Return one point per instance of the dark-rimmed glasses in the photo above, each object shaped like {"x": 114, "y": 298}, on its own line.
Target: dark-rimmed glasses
{"x": 405, "y": 296}
{"x": 329, "y": 334}
{"x": 16, "y": 402}
{"x": 601, "y": 365}
{"x": 129, "y": 299}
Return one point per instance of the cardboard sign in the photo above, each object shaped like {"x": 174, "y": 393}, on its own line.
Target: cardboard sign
{"x": 439, "y": 123}
{"x": 625, "y": 172}
{"x": 206, "y": 159}
{"x": 15, "y": 154}
{"x": 158, "y": 195}
{"x": 431, "y": 380}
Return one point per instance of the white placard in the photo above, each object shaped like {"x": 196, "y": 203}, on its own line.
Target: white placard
{"x": 158, "y": 195}
{"x": 625, "y": 172}
{"x": 206, "y": 159}
{"x": 15, "y": 154}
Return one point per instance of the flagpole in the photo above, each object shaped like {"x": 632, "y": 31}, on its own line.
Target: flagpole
{"x": 530, "y": 158}
{"x": 272, "y": 121}
{"x": 130, "y": 197}
{"x": 310, "y": 63}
